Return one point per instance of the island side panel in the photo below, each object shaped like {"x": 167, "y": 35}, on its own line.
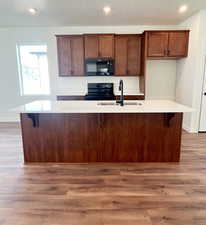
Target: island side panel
{"x": 147, "y": 137}
{"x": 62, "y": 138}
{"x": 113, "y": 137}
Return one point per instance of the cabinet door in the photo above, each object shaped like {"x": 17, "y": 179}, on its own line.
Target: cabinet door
{"x": 134, "y": 55}
{"x": 77, "y": 47}
{"x": 121, "y": 55}
{"x": 91, "y": 43}
{"x": 106, "y": 46}
{"x": 178, "y": 44}
{"x": 64, "y": 56}
{"x": 157, "y": 44}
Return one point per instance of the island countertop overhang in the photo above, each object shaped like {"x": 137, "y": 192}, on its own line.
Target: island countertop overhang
{"x": 147, "y": 106}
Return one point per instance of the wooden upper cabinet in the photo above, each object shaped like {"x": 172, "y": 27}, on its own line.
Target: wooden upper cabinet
{"x": 106, "y": 46}
{"x": 70, "y": 55}
{"x": 129, "y": 50}
{"x": 121, "y": 55}
{"x": 127, "y": 55}
{"x": 91, "y": 43}
{"x": 167, "y": 44}
{"x": 134, "y": 55}
{"x": 99, "y": 46}
{"x": 157, "y": 44}
{"x": 64, "y": 56}
{"x": 77, "y": 46}
{"x": 178, "y": 44}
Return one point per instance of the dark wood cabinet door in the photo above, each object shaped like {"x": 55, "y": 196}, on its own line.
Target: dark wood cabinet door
{"x": 157, "y": 44}
{"x": 106, "y": 46}
{"x": 64, "y": 56}
{"x": 127, "y": 55}
{"x": 178, "y": 43}
{"x": 77, "y": 46}
{"x": 121, "y": 55}
{"x": 91, "y": 43}
{"x": 134, "y": 55}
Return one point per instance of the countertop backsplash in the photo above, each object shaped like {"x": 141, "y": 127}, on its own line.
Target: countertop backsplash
{"x": 78, "y": 85}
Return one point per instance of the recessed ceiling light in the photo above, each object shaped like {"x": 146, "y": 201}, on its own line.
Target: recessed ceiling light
{"x": 33, "y": 11}
{"x": 107, "y": 10}
{"x": 183, "y": 8}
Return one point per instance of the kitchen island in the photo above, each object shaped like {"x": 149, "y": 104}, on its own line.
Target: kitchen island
{"x": 96, "y": 131}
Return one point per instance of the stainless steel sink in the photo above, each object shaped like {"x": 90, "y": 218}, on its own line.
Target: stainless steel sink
{"x": 115, "y": 104}
{"x": 107, "y": 103}
{"x": 133, "y": 103}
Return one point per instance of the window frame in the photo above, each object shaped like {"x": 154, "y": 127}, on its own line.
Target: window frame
{"x": 18, "y": 45}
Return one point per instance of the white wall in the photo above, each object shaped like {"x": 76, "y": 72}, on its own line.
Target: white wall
{"x": 161, "y": 79}
{"x": 158, "y": 72}
{"x": 190, "y": 71}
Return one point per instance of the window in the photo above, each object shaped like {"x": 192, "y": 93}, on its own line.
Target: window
{"x": 33, "y": 69}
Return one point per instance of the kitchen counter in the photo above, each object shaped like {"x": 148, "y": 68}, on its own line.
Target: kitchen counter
{"x": 86, "y": 131}
{"x": 145, "y": 106}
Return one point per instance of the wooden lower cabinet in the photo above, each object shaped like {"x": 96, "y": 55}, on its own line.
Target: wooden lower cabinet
{"x": 131, "y": 97}
{"x": 93, "y": 137}
{"x": 70, "y": 97}
{"x": 81, "y": 97}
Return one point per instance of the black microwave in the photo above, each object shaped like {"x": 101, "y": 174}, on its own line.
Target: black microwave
{"x": 99, "y": 67}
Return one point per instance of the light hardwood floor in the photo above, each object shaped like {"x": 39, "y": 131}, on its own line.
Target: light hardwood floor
{"x": 102, "y": 194}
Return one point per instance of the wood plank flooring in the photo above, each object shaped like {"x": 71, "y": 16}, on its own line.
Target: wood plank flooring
{"x": 102, "y": 194}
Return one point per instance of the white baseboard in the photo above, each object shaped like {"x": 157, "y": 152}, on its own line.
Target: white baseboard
{"x": 9, "y": 118}
{"x": 189, "y": 129}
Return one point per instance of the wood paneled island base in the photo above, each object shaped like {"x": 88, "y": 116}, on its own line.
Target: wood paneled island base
{"x": 101, "y": 137}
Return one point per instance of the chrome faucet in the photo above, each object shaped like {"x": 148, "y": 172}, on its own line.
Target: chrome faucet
{"x": 121, "y": 88}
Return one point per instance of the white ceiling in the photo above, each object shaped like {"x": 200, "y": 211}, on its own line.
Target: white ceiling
{"x": 89, "y": 12}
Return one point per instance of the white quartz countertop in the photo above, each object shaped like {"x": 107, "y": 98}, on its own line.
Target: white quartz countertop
{"x": 145, "y": 106}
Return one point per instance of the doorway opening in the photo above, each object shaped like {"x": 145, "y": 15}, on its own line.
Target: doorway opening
{"x": 202, "y": 120}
